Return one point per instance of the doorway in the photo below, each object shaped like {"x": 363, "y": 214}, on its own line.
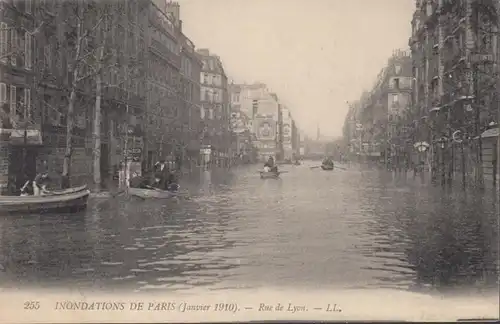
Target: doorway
{"x": 104, "y": 161}
{"x": 16, "y": 165}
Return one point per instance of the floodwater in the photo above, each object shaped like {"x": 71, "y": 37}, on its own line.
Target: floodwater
{"x": 310, "y": 229}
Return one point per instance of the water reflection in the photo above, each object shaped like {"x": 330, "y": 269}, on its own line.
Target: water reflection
{"x": 342, "y": 229}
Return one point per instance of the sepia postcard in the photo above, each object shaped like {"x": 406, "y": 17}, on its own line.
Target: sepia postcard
{"x": 249, "y": 160}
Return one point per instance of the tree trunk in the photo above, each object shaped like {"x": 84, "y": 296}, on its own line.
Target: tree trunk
{"x": 97, "y": 134}
{"x": 97, "y": 126}
{"x": 65, "y": 183}
{"x": 69, "y": 141}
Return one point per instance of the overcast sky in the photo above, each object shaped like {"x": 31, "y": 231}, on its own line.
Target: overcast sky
{"x": 315, "y": 54}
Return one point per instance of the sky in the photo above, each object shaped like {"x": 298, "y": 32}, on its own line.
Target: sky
{"x": 315, "y": 54}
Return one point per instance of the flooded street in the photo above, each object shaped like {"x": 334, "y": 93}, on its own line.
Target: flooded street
{"x": 345, "y": 229}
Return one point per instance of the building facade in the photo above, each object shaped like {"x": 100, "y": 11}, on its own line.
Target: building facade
{"x": 241, "y": 126}
{"x": 148, "y": 77}
{"x": 54, "y": 72}
{"x": 164, "y": 138}
{"x": 189, "y": 91}
{"x": 374, "y": 126}
{"x": 454, "y": 45}
{"x": 264, "y": 109}
{"x": 287, "y": 131}
{"x": 216, "y": 137}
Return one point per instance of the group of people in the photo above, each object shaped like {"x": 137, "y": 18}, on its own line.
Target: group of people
{"x": 327, "y": 162}
{"x": 162, "y": 178}
{"x": 270, "y": 166}
{"x": 36, "y": 187}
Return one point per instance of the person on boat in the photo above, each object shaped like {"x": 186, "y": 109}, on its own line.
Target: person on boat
{"x": 160, "y": 174}
{"x": 171, "y": 183}
{"x": 328, "y": 162}
{"x": 270, "y": 165}
{"x": 137, "y": 181}
{"x": 40, "y": 184}
{"x": 27, "y": 189}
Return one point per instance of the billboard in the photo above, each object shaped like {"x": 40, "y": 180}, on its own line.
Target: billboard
{"x": 287, "y": 133}
{"x": 265, "y": 128}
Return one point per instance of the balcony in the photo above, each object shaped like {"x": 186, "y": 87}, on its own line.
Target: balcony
{"x": 162, "y": 51}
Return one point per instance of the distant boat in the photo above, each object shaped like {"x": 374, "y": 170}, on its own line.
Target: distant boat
{"x": 327, "y": 167}
{"x": 72, "y": 199}
{"x": 269, "y": 175}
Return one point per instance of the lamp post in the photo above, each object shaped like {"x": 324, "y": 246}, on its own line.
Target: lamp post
{"x": 359, "y": 130}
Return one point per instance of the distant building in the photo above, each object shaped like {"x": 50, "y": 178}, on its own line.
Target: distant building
{"x": 373, "y": 126}
{"x": 262, "y": 106}
{"x": 215, "y": 112}
{"x": 241, "y": 127}
{"x": 288, "y": 135}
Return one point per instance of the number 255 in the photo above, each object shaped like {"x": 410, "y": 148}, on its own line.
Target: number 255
{"x": 31, "y": 305}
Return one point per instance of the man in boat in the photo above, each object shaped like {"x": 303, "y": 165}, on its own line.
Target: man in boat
{"x": 328, "y": 162}
{"x": 37, "y": 187}
{"x": 171, "y": 183}
{"x": 137, "y": 181}
{"x": 270, "y": 166}
{"x": 159, "y": 174}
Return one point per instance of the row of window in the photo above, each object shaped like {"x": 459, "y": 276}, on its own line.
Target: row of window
{"x": 187, "y": 67}
{"x": 211, "y": 95}
{"x": 211, "y": 79}
{"x": 207, "y": 113}
{"x": 208, "y": 64}
{"x": 16, "y": 102}
{"x": 16, "y": 47}
{"x": 163, "y": 73}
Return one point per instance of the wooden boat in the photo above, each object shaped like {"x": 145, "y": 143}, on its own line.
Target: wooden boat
{"x": 327, "y": 167}
{"x": 269, "y": 175}
{"x": 72, "y": 199}
{"x": 150, "y": 193}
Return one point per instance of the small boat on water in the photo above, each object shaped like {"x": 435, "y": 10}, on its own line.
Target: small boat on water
{"x": 327, "y": 167}
{"x": 269, "y": 175}
{"x": 72, "y": 199}
{"x": 151, "y": 193}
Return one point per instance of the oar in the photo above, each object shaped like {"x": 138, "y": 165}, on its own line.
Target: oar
{"x": 116, "y": 194}
{"x": 152, "y": 188}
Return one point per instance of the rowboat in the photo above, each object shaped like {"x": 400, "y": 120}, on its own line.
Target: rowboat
{"x": 72, "y": 199}
{"x": 269, "y": 175}
{"x": 150, "y": 193}
{"x": 327, "y": 167}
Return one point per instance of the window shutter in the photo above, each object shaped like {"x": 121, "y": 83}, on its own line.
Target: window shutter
{"x": 3, "y": 41}
{"x": 27, "y": 50}
{"x": 13, "y": 41}
{"x": 3, "y": 93}
{"x": 27, "y": 101}
{"x": 12, "y": 102}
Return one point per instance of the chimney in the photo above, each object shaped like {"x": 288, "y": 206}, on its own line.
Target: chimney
{"x": 203, "y": 51}
{"x": 173, "y": 8}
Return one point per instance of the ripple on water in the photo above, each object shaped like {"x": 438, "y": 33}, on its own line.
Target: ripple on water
{"x": 345, "y": 229}
{"x": 111, "y": 263}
